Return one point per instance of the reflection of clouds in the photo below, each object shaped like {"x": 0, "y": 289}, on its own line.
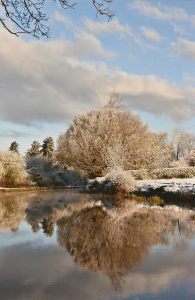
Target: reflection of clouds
{"x": 161, "y": 271}
{"x": 114, "y": 244}
{"x": 48, "y": 273}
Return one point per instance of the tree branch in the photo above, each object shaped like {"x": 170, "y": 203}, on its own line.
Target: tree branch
{"x": 29, "y": 17}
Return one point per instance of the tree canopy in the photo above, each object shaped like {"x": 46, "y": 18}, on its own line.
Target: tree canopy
{"x": 35, "y": 149}
{"x": 14, "y": 147}
{"x": 47, "y": 147}
{"x": 107, "y": 138}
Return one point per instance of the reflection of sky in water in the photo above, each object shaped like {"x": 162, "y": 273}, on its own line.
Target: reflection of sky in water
{"x": 33, "y": 266}
{"x": 25, "y": 235}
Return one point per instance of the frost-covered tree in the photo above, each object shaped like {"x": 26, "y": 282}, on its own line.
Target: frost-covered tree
{"x": 106, "y": 138}
{"x": 182, "y": 143}
{"x": 161, "y": 151}
{"x": 35, "y": 149}
{"x": 48, "y": 147}
{"x": 191, "y": 159}
{"x": 43, "y": 172}
{"x": 12, "y": 169}
{"x": 14, "y": 147}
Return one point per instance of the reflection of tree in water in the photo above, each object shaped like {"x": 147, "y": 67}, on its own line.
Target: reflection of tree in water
{"x": 42, "y": 217}
{"x": 45, "y": 214}
{"x": 12, "y": 212}
{"x": 114, "y": 242}
{"x": 48, "y": 226}
{"x": 33, "y": 206}
{"x": 34, "y": 225}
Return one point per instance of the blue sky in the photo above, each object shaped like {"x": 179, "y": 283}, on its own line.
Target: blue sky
{"x": 146, "y": 54}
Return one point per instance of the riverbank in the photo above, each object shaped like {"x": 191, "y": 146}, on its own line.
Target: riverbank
{"x": 174, "y": 185}
{"x": 154, "y": 186}
{"x": 30, "y": 189}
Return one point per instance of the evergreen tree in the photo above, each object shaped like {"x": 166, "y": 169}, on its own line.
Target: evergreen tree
{"x": 35, "y": 149}
{"x": 14, "y": 147}
{"x": 48, "y": 147}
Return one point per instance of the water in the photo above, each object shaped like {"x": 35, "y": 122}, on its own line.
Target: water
{"x": 60, "y": 245}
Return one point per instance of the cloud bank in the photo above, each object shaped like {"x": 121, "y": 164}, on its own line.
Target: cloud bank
{"x": 50, "y": 81}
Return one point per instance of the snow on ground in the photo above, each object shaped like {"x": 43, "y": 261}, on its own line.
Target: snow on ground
{"x": 184, "y": 185}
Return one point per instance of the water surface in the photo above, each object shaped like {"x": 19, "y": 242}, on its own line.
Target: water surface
{"x": 63, "y": 245}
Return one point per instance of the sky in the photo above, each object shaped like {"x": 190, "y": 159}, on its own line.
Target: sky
{"x": 146, "y": 53}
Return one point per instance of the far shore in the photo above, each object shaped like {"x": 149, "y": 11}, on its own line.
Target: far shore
{"x": 174, "y": 185}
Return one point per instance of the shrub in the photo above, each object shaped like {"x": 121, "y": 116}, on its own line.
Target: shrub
{"x": 140, "y": 174}
{"x": 44, "y": 173}
{"x": 168, "y": 173}
{"x": 12, "y": 170}
{"x": 123, "y": 181}
{"x": 180, "y": 163}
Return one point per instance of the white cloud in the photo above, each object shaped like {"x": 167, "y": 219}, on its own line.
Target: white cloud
{"x": 151, "y": 34}
{"x": 163, "y": 13}
{"x": 179, "y": 30}
{"x": 50, "y": 82}
{"x": 67, "y": 21}
{"x": 159, "y": 13}
{"x": 87, "y": 44}
{"x": 114, "y": 26}
{"x": 185, "y": 48}
{"x": 108, "y": 27}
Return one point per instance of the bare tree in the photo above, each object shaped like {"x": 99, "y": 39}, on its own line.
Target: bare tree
{"x": 29, "y": 16}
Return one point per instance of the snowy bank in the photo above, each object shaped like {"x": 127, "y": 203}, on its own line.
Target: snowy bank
{"x": 175, "y": 185}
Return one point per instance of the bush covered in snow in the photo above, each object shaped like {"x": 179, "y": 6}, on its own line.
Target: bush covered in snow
{"x": 167, "y": 173}
{"x": 121, "y": 180}
{"x": 140, "y": 174}
{"x": 12, "y": 170}
{"x": 44, "y": 173}
{"x": 180, "y": 163}
{"x": 115, "y": 181}
{"x": 164, "y": 173}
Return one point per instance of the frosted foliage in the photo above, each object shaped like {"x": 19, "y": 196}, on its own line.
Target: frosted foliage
{"x": 12, "y": 169}
{"x": 191, "y": 159}
{"x": 44, "y": 173}
{"x": 106, "y": 138}
{"x": 183, "y": 143}
{"x": 122, "y": 180}
{"x": 116, "y": 156}
{"x": 180, "y": 163}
